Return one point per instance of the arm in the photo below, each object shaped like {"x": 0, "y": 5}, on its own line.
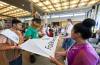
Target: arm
{"x": 63, "y": 53}
{"x": 55, "y": 61}
{"x": 58, "y": 63}
{"x": 58, "y": 54}
{"x": 5, "y": 47}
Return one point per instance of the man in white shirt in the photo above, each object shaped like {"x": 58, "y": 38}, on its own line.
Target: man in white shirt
{"x": 68, "y": 41}
{"x": 69, "y": 27}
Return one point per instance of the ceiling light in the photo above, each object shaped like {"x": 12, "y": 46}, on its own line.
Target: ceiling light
{"x": 52, "y": 9}
{"x": 74, "y": 1}
{"x": 84, "y": 0}
{"x": 92, "y": 2}
{"x": 13, "y": 7}
{"x": 65, "y": 7}
{"x": 17, "y": 12}
{"x": 47, "y": 2}
{"x": 50, "y": 6}
{"x": 65, "y": 3}
{"x": 1, "y": 5}
{"x": 10, "y": 7}
{"x": 40, "y": 4}
{"x": 7, "y": 9}
{"x": 20, "y": 13}
{"x": 82, "y": 4}
{"x": 55, "y": 1}
{"x": 47, "y": 10}
{"x": 59, "y": 8}
{"x": 63, "y": 0}
{"x": 35, "y": 1}
{"x": 57, "y": 5}
{"x": 74, "y": 5}
{"x": 44, "y": 7}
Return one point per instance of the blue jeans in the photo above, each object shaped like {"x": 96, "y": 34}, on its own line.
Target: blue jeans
{"x": 17, "y": 61}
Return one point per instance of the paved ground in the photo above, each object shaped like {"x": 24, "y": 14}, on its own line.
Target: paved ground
{"x": 40, "y": 60}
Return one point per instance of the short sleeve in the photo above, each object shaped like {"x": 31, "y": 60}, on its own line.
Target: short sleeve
{"x": 28, "y": 34}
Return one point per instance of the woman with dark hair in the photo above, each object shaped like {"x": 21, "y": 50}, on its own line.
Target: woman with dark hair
{"x": 81, "y": 53}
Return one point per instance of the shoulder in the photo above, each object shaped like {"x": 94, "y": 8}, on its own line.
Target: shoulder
{"x": 88, "y": 51}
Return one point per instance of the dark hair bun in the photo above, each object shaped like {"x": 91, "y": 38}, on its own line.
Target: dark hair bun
{"x": 89, "y": 22}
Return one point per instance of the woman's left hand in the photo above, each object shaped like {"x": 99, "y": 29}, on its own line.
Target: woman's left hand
{"x": 17, "y": 47}
{"x": 53, "y": 60}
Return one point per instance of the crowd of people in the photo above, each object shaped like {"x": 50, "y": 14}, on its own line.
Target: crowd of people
{"x": 77, "y": 50}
